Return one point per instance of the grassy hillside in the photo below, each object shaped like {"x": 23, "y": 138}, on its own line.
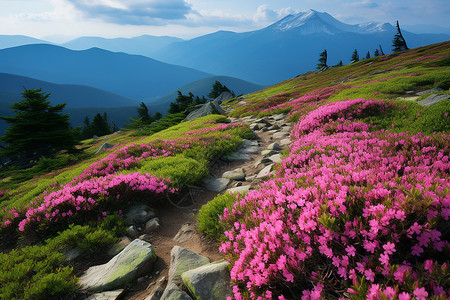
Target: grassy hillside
{"x": 358, "y": 208}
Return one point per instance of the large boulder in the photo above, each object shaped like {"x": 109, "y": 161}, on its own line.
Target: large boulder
{"x": 236, "y": 174}
{"x": 433, "y": 99}
{"x": 216, "y": 184}
{"x": 112, "y": 295}
{"x": 206, "y": 109}
{"x": 182, "y": 260}
{"x": 133, "y": 261}
{"x": 209, "y": 282}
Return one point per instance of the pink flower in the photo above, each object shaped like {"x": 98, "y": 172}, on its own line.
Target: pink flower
{"x": 404, "y": 296}
{"x": 420, "y": 293}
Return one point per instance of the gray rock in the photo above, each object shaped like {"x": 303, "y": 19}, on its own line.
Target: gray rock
{"x": 132, "y": 232}
{"x": 269, "y": 152}
{"x": 286, "y": 129}
{"x": 279, "y": 117}
{"x": 225, "y": 96}
{"x": 280, "y": 135}
{"x": 209, "y": 282}
{"x": 255, "y": 126}
{"x": 112, "y": 295}
{"x": 274, "y": 146}
{"x": 151, "y": 225}
{"x": 264, "y": 161}
{"x": 237, "y": 174}
{"x": 433, "y": 99}
{"x": 139, "y": 214}
{"x": 276, "y": 158}
{"x": 285, "y": 142}
{"x": 206, "y": 109}
{"x": 216, "y": 184}
{"x": 429, "y": 91}
{"x": 157, "y": 294}
{"x": 237, "y": 156}
{"x": 104, "y": 147}
{"x": 95, "y": 137}
{"x": 135, "y": 260}
{"x": 172, "y": 292}
{"x": 182, "y": 260}
{"x": 239, "y": 189}
{"x": 250, "y": 178}
{"x": 185, "y": 233}
{"x": 264, "y": 172}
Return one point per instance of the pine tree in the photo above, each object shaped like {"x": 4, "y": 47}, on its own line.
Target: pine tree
{"x": 322, "y": 60}
{"x": 218, "y": 89}
{"x": 376, "y": 53}
{"x": 368, "y": 55}
{"x": 143, "y": 114}
{"x": 399, "y": 43}
{"x": 355, "y": 56}
{"x": 100, "y": 126}
{"x": 381, "y": 50}
{"x": 340, "y": 64}
{"x": 37, "y": 129}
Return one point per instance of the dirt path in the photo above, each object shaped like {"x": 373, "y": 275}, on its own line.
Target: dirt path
{"x": 172, "y": 219}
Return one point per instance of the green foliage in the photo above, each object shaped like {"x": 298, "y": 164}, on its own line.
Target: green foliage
{"x": 37, "y": 129}
{"x": 209, "y": 215}
{"x": 168, "y": 121}
{"x": 183, "y": 171}
{"x": 355, "y": 56}
{"x": 143, "y": 119}
{"x": 41, "y": 271}
{"x": 98, "y": 127}
{"x": 322, "y": 60}
{"x": 399, "y": 43}
{"x": 218, "y": 89}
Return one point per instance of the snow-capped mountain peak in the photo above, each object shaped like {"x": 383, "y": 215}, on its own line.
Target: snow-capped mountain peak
{"x": 312, "y": 21}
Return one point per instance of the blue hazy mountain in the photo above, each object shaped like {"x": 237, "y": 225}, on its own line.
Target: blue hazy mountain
{"x": 81, "y": 100}
{"x": 133, "y": 76}
{"x": 203, "y": 87}
{"x": 143, "y": 45}
{"x": 75, "y": 95}
{"x": 286, "y": 48}
{"x": 8, "y": 41}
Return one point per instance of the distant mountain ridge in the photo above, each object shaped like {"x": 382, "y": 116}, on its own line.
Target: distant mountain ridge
{"x": 142, "y": 45}
{"x": 133, "y": 76}
{"x": 286, "y": 48}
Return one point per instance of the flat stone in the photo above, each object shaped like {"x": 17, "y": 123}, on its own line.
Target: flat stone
{"x": 279, "y": 117}
{"x": 151, "y": 225}
{"x": 237, "y": 174}
{"x": 274, "y": 146}
{"x": 250, "y": 178}
{"x": 249, "y": 150}
{"x": 276, "y": 158}
{"x": 111, "y": 295}
{"x": 433, "y": 99}
{"x": 268, "y": 152}
{"x": 264, "y": 172}
{"x": 173, "y": 292}
{"x": 285, "y": 142}
{"x": 237, "y": 156}
{"x": 286, "y": 129}
{"x": 185, "y": 233}
{"x": 264, "y": 161}
{"x": 139, "y": 214}
{"x": 182, "y": 260}
{"x": 429, "y": 91}
{"x": 280, "y": 135}
{"x": 209, "y": 282}
{"x": 132, "y": 262}
{"x": 216, "y": 184}
{"x": 239, "y": 190}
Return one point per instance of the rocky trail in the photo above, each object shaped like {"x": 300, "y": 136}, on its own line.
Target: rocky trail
{"x": 163, "y": 246}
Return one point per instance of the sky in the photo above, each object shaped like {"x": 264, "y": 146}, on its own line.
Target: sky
{"x": 65, "y": 19}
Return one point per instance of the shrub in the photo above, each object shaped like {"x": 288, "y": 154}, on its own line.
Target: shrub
{"x": 351, "y": 214}
{"x": 209, "y": 215}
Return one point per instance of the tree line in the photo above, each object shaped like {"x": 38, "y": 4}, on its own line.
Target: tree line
{"x": 398, "y": 44}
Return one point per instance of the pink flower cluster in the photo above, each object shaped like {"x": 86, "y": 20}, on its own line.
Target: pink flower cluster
{"x": 351, "y": 213}
{"x": 95, "y": 194}
{"x": 311, "y": 99}
{"x": 129, "y": 156}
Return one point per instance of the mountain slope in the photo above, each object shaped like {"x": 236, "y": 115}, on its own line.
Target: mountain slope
{"x": 75, "y": 95}
{"x": 132, "y": 76}
{"x": 142, "y": 45}
{"x": 286, "y": 48}
{"x": 8, "y": 41}
{"x": 203, "y": 87}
